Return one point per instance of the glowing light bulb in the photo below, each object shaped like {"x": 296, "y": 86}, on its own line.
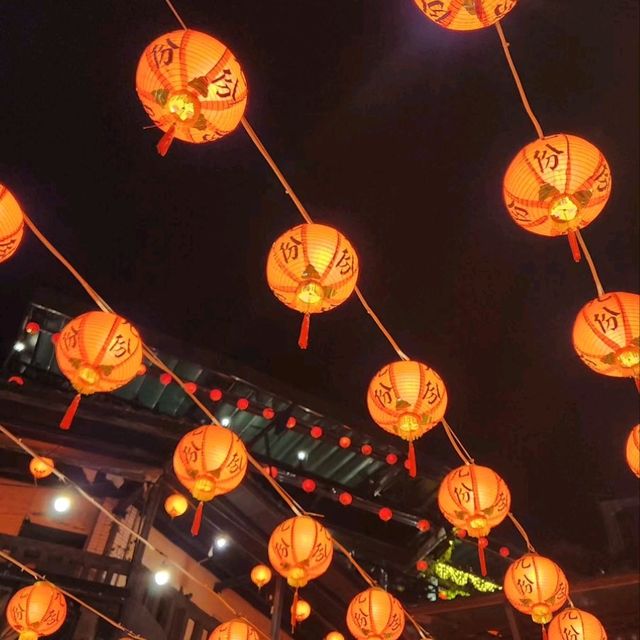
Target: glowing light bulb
{"x": 62, "y": 504}
{"x": 161, "y": 577}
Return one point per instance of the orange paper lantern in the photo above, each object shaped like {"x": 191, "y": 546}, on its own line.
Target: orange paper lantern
{"x": 407, "y": 399}
{"x": 97, "y": 352}
{"x": 37, "y": 610}
{"x": 373, "y": 614}
{"x": 465, "y": 15}
{"x": 633, "y": 450}
{"x": 334, "y": 635}
{"x": 301, "y": 610}
{"x": 557, "y": 185}
{"x": 209, "y": 461}
{"x": 574, "y": 624}
{"x": 11, "y": 224}
{"x": 191, "y": 86}
{"x": 537, "y": 586}
{"x": 606, "y": 335}
{"x": 312, "y": 268}
{"x": 41, "y": 467}
{"x": 236, "y": 629}
{"x": 260, "y": 575}
{"x": 475, "y": 499}
{"x": 176, "y": 505}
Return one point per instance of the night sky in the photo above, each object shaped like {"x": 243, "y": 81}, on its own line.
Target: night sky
{"x": 393, "y": 130}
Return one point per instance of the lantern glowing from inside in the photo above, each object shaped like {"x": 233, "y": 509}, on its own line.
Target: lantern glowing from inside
{"x": 37, "y": 610}
{"x": 606, "y": 335}
{"x": 209, "y": 461}
{"x": 537, "y": 586}
{"x": 374, "y": 614}
{"x": 301, "y": 610}
{"x": 41, "y": 467}
{"x": 407, "y": 398}
{"x": 312, "y": 268}
{"x": 465, "y": 15}
{"x": 334, "y": 635}
{"x": 557, "y": 185}
{"x": 176, "y": 505}
{"x": 260, "y": 575}
{"x": 191, "y": 86}
{"x": 575, "y": 624}
{"x": 236, "y": 629}
{"x": 300, "y": 549}
{"x": 11, "y": 224}
{"x": 633, "y": 450}
{"x": 97, "y": 352}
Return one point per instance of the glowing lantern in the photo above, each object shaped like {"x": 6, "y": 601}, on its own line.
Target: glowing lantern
{"x": 344, "y": 442}
{"x": 465, "y": 15}
{"x": 574, "y": 624}
{"x": 37, "y": 610}
{"x": 557, "y": 185}
{"x": 475, "y": 499}
{"x": 537, "y": 586}
{"x": 606, "y": 335}
{"x": 312, "y": 268}
{"x": 633, "y": 450}
{"x": 300, "y": 610}
{"x": 209, "y": 461}
{"x": 407, "y": 399}
{"x": 11, "y": 224}
{"x": 260, "y": 575}
{"x": 374, "y": 614}
{"x": 97, "y": 352}
{"x": 385, "y": 514}
{"x": 334, "y": 635}
{"x": 191, "y": 86}
{"x": 236, "y": 629}
{"x": 176, "y": 505}
{"x": 345, "y": 498}
{"x": 300, "y": 549}
{"x": 41, "y": 467}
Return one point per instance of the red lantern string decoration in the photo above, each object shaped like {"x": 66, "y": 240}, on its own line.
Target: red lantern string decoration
{"x": 11, "y": 224}
{"x": 192, "y": 87}
{"x": 344, "y": 442}
{"x": 391, "y": 458}
{"x": 291, "y": 423}
{"x": 312, "y": 268}
{"x": 268, "y": 413}
{"x": 41, "y": 467}
{"x": 176, "y": 505}
{"x": 557, "y": 185}
{"x": 97, "y": 352}
{"x": 236, "y": 629}
{"x": 308, "y": 485}
{"x": 476, "y": 499}
{"x": 300, "y": 611}
{"x": 536, "y": 586}
{"x": 215, "y": 395}
{"x": 575, "y": 624}
{"x": 366, "y": 449}
{"x": 316, "y": 432}
{"x": 606, "y": 335}
{"x": 345, "y": 498}
{"x": 423, "y": 525}
{"x": 385, "y": 514}
{"x": 407, "y": 399}
{"x": 373, "y": 614}
{"x": 633, "y": 450}
{"x": 242, "y": 404}
{"x": 300, "y": 549}
{"x": 422, "y": 565}
{"x": 209, "y": 461}
{"x": 36, "y": 610}
{"x": 32, "y": 328}
{"x": 465, "y": 15}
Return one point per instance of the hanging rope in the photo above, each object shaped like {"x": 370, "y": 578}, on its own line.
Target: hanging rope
{"x": 592, "y": 266}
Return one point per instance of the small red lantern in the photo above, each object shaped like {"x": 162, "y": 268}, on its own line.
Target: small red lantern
{"x": 366, "y": 449}
{"x": 423, "y": 525}
{"x": 308, "y": 485}
{"x": 291, "y": 423}
{"x": 385, "y": 514}
{"x": 345, "y": 442}
{"x": 32, "y": 328}
{"x": 190, "y": 387}
{"x": 391, "y": 458}
{"x": 215, "y": 394}
{"x": 268, "y": 413}
{"x": 165, "y": 379}
{"x": 504, "y": 552}
{"x": 316, "y": 432}
{"x": 422, "y": 565}
{"x": 345, "y": 498}
{"x": 242, "y": 404}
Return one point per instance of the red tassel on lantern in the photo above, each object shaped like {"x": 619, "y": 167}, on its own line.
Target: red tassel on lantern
{"x": 413, "y": 468}
{"x": 166, "y": 140}
{"x": 294, "y": 606}
{"x": 197, "y": 520}
{"x": 303, "y": 340}
{"x": 483, "y": 543}
{"x": 637, "y": 381}
{"x": 573, "y": 243}
{"x": 544, "y": 633}
{"x": 70, "y": 413}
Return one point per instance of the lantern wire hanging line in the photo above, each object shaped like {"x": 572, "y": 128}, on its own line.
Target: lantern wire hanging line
{"x": 592, "y": 266}
{"x": 82, "y": 603}
{"x": 456, "y": 443}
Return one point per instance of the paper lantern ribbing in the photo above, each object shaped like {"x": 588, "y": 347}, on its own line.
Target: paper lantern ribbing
{"x": 312, "y": 268}
{"x": 176, "y": 505}
{"x": 574, "y": 624}
{"x": 374, "y": 614}
{"x": 536, "y": 586}
{"x": 11, "y": 224}
{"x": 475, "y": 499}
{"x": 191, "y": 86}
{"x": 606, "y": 335}
{"x": 236, "y": 629}
{"x": 557, "y": 185}
{"x": 37, "y": 610}
{"x": 633, "y": 450}
{"x": 209, "y": 461}
{"x": 41, "y": 467}
{"x": 97, "y": 352}
{"x": 465, "y": 15}
{"x": 407, "y": 399}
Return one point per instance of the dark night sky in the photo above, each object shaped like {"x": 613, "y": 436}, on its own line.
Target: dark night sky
{"x": 398, "y": 133}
